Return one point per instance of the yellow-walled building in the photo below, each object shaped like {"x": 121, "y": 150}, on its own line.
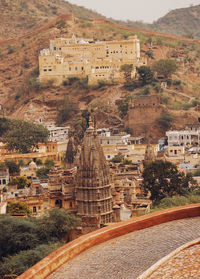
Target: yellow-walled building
{"x": 67, "y": 57}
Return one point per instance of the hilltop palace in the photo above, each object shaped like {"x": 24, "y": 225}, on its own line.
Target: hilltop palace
{"x": 88, "y": 58}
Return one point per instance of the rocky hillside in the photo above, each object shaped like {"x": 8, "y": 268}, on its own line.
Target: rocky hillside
{"x": 20, "y": 16}
{"x": 183, "y": 22}
{"x": 21, "y": 96}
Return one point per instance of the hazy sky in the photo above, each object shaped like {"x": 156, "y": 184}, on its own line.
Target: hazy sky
{"x": 145, "y": 10}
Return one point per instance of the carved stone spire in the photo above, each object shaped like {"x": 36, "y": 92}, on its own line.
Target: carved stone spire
{"x": 94, "y": 198}
{"x": 70, "y": 153}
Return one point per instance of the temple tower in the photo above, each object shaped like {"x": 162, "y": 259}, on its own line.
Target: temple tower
{"x": 93, "y": 186}
{"x": 70, "y": 153}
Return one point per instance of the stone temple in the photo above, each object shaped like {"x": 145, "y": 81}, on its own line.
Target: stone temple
{"x": 86, "y": 187}
{"x": 93, "y": 186}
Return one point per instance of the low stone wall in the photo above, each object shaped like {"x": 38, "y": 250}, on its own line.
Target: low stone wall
{"x": 50, "y": 263}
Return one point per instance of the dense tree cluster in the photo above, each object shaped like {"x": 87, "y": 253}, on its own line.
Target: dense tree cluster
{"x": 22, "y": 136}
{"x": 23, "y": 242}
{"x": 165, "y": 67}
{"x": 162, "y": 179}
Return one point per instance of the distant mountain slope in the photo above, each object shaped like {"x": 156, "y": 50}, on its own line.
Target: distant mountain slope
{"x": 183, "y": 22}
{"x": 21, "y": 16}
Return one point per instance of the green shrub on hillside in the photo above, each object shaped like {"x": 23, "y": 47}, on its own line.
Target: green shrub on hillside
{"x": 165, "y": 120}
{"x": 170, "y": 202}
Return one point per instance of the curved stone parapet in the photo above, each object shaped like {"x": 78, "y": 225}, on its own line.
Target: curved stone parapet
{"x": 50, "y": 263}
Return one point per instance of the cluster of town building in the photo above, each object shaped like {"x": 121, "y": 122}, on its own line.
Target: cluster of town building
{"x": 87, "y": 185}
{"x": 90, "y": 184}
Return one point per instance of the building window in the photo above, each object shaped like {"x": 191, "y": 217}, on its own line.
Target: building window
{"x": 4, "y": 181}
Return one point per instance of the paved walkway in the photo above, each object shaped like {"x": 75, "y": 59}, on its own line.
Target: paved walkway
{"x": 185, "y": 265}
{"x": 128, "y": 256}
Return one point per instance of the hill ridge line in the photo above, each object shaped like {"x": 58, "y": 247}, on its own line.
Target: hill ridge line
{"x": 104, "y": 21}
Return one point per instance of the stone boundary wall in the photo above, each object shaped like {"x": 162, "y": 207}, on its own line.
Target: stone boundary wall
{"x": 164, "y": 260}
{"x": 70, "y": 250}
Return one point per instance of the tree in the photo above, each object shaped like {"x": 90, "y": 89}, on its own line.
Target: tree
{"x": 23, "y": 136}
{"x": 13, "y": 167}
{"x": 16, "y": 234}
{"x": 18, "y": 208}
{"x": 79, "y": 126}
{"x": 23, "y": 242}
{"x": 123, "y": 108}
{"x": 4, "y": 125}
{"x": 127, "y": 71}
{"x": 86, "y": 115}
{"x": 66, "y": 109}
{"x": 18, "y": 263}
{"x": 42, "y": 173}
{"x": 56, "y": 224}
{"x": 149, "y": 53}
{"x": 49, "y": 163}
{"x": 117, "y": 158}
{"x": 21, "y": 182}
{"x": 165, "y": 67}
{"x": 165, "y": 120}
{"x": 39, "y": 162}
{"x": 124, "y": 105}
{"x": 145, "y": 75}
{"x": 162, "y": 179}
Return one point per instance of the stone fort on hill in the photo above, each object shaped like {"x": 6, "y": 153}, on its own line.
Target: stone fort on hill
{"x": 76, "y": 57}
{"x": 144, "y": 112}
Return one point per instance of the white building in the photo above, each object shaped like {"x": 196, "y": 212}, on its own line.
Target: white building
{"x": 179, "y": 140}
{"x": 114, "y": 140}
{"x": 58, "y": 134}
